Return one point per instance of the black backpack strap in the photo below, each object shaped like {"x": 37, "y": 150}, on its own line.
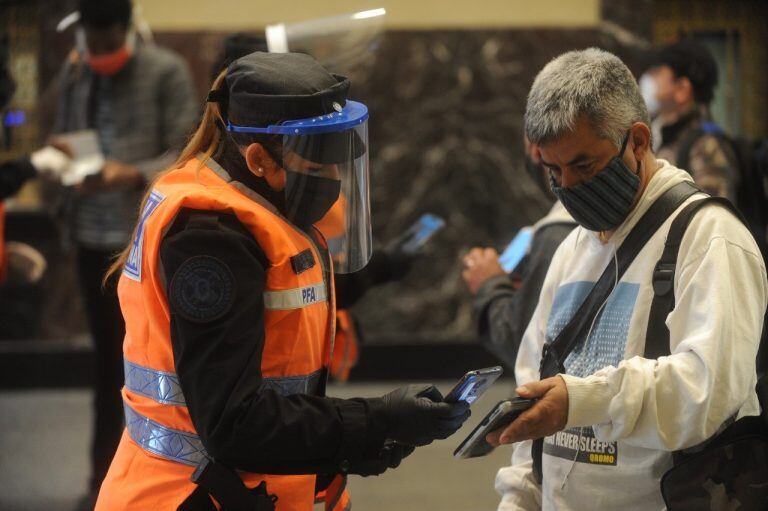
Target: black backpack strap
{"x": 657, "y": 335}
{"x": 554, "y": 353}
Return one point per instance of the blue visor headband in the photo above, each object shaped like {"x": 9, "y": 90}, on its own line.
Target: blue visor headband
{"x": 353, "y": 114}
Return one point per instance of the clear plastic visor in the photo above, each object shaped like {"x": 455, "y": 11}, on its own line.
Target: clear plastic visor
{"x": 327, "y": 184}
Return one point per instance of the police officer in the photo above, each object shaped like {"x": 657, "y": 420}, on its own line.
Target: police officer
{"x": 227, "y": 291}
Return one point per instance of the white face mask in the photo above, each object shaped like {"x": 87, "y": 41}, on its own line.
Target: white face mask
{"x": 648, "y": 91}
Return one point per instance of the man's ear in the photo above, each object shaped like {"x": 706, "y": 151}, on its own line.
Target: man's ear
{"x": 261, "y": 164}
{"x": 640, "y": 135}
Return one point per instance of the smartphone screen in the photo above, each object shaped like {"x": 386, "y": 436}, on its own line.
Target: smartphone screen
{"x": 473, "y": 384}
{"x": 420, "y": 232}
{"x": 516, "y": 250}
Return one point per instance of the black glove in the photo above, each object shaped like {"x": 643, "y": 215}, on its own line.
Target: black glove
{"x": 416, "y": 415}
{"x": 390, "y": 455}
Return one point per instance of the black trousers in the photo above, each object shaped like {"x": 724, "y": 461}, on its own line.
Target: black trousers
{"x": 107, "y": 330}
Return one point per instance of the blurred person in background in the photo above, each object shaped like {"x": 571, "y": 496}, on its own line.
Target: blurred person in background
{"x": 678, "y": 90}
{"x": 140, "y": 101}
{"x": 228, "y": 295}
{"x": 504, "y": 302}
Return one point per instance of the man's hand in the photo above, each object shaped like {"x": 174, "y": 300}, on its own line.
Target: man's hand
{"x": 547, "y": 416}
{"x": 480, "y": 264}
{"x": 115, "y": 174}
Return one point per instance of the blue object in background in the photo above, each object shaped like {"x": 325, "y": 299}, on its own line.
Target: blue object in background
{"x": 516, "y": 250}
{"x": 14, "y": 118}
{"x": 420, "y": 232}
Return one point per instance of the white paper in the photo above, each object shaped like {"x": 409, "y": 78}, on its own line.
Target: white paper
{"x": 87, "y": 156}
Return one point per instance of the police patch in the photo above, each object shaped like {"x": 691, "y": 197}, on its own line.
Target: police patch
{"x": 203, "y": 289}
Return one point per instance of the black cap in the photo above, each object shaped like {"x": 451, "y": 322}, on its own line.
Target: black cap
{"x": 692, "y": 60}
{"x": 264, "y": 88}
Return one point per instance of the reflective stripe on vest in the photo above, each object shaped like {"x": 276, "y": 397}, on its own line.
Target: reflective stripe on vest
{"x": 295, "y": 298}
{"x": 161, "y": 386}
{"x": 172, "y": 444}
{"x": 164, "y": 387}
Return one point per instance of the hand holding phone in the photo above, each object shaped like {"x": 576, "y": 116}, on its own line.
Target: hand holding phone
{"x": 500, "y": 416}
{"x": 473, "y": 384}
{"x": 516, "y": 250}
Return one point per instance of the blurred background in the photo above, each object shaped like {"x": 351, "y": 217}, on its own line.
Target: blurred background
{"x": 445, "y": 82}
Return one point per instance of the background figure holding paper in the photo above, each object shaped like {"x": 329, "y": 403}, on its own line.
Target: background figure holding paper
{"x": 138, "y": 99}
{"x": 507, "y": 287}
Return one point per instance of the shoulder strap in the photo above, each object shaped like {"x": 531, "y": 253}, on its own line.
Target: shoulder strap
{"x": 657, "y": 335}
{"x": 554, "y": 354}
{"x": 557, "y": 351}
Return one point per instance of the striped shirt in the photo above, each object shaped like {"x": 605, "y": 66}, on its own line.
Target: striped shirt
{"x": 142, "y": 116}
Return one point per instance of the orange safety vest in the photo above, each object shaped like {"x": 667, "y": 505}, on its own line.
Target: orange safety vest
{"x": 160, "y": 448}
{"x": 346, "y": 343}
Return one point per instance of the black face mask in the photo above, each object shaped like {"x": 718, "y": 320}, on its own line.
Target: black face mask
{"x": 308, "y": 198}
{"x": 605, "y": 201}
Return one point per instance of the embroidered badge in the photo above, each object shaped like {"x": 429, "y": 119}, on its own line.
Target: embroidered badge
{"x": 202, "y": 289}
{"x": 132, "y": 268}
{"x": 302, "y": 261}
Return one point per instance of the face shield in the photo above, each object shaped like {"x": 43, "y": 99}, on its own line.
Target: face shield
{"x": 327, "y": 184}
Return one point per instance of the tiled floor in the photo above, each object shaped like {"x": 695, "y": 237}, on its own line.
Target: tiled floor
{"x": 44, "y": 441}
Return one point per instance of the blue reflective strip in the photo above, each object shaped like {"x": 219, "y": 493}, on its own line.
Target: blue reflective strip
{"x": 171, "y": 444}
{"x": 161, "y": 386}
{"x": 164, "y": 387}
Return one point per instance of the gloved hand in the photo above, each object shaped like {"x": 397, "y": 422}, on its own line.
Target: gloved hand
{"x": 416, "y": 415}
{"x": 390, "y": 455}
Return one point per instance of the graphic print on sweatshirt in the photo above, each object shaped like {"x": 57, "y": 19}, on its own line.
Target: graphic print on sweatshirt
{"x": 605, "y": 346}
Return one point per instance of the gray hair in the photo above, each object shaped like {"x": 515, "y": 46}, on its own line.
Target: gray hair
{"x": 592, "y": 82}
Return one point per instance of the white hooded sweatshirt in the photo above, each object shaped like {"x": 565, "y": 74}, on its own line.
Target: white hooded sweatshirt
{"x": 627, "y": 413}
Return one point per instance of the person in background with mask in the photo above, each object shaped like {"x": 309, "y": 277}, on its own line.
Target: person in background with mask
{"x": 608, "y": 422}
{"x": 504, "y": 302}
{"x": 228, "y": 295}
{"x": 140, "y": 100}
{"x": 678, "y": 89}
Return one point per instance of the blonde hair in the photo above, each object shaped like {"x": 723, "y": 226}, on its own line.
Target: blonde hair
{"x": 206, "y": 140}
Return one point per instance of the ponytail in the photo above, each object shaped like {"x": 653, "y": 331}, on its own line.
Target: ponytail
{"x": 206, "y": 140}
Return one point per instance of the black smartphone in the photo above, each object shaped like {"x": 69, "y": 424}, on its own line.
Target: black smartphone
{"x": 502, "y": 415}
{"x": 417, "y": 235}
{"x": 473, "y": 384}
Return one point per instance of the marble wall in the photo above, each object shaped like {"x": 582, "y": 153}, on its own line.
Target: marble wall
{"x": 446, "y": 137}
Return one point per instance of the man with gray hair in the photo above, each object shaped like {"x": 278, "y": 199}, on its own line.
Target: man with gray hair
{"x": 611, "y": 418}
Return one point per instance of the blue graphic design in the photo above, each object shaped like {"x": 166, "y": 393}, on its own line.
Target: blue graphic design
{"x": 608, "y": 340}
{"x": 132, "y": 268}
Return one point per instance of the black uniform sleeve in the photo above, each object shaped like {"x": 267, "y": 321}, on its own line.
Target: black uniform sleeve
{"x": 215, "y": 275}
{"x": 382, "y": 268}
{"x": 13, "y": 174}
{"x": 503, "y": 312}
